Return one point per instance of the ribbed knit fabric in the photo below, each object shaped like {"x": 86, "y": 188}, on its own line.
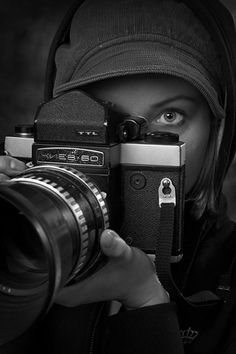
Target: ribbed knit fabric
{"x": 123, "y": 37}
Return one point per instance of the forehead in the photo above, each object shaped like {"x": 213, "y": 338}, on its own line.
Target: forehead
{"x": 139, "y": 92}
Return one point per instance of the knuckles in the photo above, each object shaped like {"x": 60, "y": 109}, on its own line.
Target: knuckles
{"x": 3, "y": 177}
{"x": 10, "y": 166}
{"x": 4, "y": 163}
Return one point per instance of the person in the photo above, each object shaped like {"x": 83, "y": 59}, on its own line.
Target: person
{"x": 156, "y": 59}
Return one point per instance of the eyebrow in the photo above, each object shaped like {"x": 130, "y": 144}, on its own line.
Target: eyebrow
{"x": 172, "y": 99}
{"x": 118, "y": 108}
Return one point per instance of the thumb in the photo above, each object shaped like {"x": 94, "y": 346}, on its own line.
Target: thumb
{"x": 114, "y": 246}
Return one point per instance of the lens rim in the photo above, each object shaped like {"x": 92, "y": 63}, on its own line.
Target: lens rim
{"x": 21, "y": 203}
{"x": 90, "y": 192}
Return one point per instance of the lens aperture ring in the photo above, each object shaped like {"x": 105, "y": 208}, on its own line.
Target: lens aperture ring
{"x": 86, "y": 181}
{"x": 60, "y": 191}
{"x": 93, "y": 188}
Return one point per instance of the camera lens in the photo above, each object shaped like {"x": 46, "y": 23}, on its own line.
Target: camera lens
{"x": 51, "y": 221}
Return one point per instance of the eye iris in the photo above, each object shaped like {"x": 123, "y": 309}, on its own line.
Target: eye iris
{"x": 170, "y": 116}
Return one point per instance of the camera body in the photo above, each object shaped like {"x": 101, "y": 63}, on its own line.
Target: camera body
{"x": 128, "y": 165}
{"x": 93, "y": 168}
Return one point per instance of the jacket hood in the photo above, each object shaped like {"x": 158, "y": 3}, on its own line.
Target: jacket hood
{"x": 220, "y": 25}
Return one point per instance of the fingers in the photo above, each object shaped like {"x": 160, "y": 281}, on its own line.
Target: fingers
{"x": 114, "y": 246}
{"x": 9, "y": 166}
{"x": 104, "y": 284}
{"x": 3, "y": 177}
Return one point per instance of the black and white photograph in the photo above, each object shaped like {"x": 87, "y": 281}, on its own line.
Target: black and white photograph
{"x": 118, "y": 177}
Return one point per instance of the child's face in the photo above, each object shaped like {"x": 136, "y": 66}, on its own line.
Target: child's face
{"x": 169, "y": 104}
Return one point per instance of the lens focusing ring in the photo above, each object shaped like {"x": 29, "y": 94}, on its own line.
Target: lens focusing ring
{"x": 98, "y": 195}
{"x": 51, "y": 183}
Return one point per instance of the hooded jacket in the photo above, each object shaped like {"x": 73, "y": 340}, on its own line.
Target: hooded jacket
{"x": 202, "y": 321}
{"x": 202, "y": 318}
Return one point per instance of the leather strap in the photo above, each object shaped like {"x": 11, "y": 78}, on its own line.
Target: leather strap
{"x": 164, "y": 245}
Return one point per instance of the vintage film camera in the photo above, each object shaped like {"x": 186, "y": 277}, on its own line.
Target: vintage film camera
{"x": 93, "y": 168}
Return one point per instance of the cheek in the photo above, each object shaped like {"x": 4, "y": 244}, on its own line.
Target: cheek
{"x": 196, "y": 141}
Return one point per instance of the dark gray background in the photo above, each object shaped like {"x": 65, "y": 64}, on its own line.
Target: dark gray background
{"x": 26, "y": 31}
{"x": 27, "y": 28}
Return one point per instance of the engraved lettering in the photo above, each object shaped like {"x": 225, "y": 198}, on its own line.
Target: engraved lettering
{"x": 71, "y": 158}
{"x": 77, "y": 156}
{"x": 85, "y": 158}
{"x": 88, "y": 133}
{"x": 94, "y": 158}
{"x": 48, "y": 156}
{"x": 62, "y": 157}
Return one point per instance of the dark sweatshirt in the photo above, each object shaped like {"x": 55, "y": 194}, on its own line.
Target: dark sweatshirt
{"x": 200, "y": 319}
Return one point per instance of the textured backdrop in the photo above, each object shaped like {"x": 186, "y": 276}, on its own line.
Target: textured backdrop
{"x": 26, "y": 31}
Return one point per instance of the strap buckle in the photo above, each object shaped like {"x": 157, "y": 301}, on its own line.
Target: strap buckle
{"x": 166, "y": 192}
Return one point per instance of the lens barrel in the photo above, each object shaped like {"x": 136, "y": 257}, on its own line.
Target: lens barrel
{"x": 51, "y": 220}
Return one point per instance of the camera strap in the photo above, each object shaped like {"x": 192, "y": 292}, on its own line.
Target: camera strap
{"x": 164, "y": 245}
{"x": 163, "y": 254}
{"x": 164, "y": 242}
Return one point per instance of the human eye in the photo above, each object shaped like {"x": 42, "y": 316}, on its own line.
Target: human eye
{"x": 170, "y": 117}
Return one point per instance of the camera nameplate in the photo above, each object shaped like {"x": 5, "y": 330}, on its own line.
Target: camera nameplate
{"x": 72, "y": 156}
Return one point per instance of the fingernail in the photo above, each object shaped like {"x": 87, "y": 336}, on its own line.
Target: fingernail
{"x": 14, "y": 165}
{"x": 108, "y": 238}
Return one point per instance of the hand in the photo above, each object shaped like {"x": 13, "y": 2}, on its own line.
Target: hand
{"x": 128, "y": 277}
{"x": 10, "y": 167}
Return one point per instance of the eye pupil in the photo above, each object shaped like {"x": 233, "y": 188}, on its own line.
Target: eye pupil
{"x": 170, "y": 116}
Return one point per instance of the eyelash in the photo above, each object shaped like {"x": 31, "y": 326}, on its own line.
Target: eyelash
{"x": 171, "y": 110}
